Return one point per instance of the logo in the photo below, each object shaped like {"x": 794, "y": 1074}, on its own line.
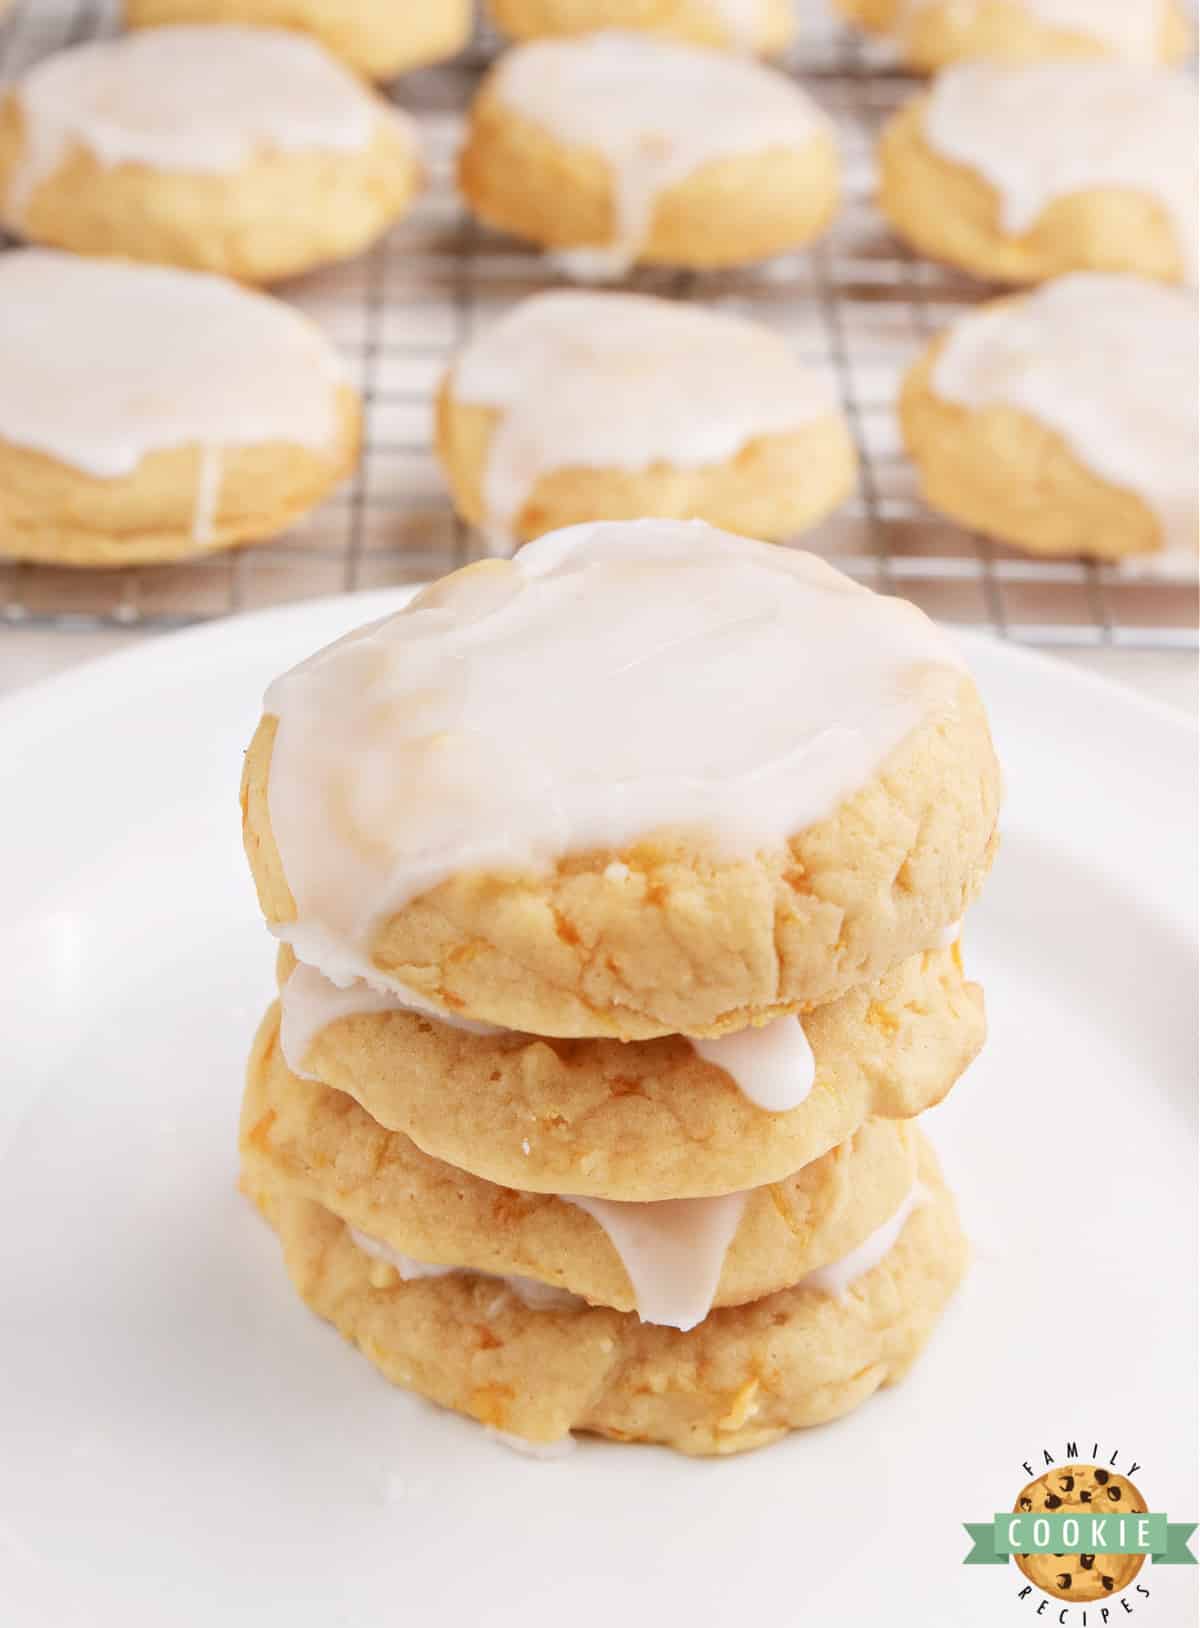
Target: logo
{"x": 1081, "y": 1533}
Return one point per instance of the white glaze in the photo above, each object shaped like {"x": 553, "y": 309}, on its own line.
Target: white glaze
{"x": 1107, "y": 362}
{"x": 203, "y": 100}
{"x": 673, "y": 1250}
{"x": 610, "y": 681}
{"x": 1130, "y": 28}
{"x": 656, "y": 110}
{"x": 837, "y": 1278}
{"x": 773, "y": 1065}
{"x": 740, "y": 19}
{"x": 309, "y": 1001}
{"x": 623, "y": 381}
{"x": 537, "y": 1296}
{"x": 208, "y": 496}
{"x": 1042, "y": 132}
{"x": 546, "y": 1451}
{"x": 181, "y": 359}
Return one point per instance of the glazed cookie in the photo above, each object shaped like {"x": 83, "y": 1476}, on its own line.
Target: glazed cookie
{"x": 932, "y": 34}
{"x": 740, "y": 1379}
{"x": 998, "y": 170}
{"x": 378, "y": 38}
{"x": 671, "y": 1260}
{"x": 649, "y": 1119}
{"x": 1086, "y": 1488}
{"x": 619, "y": 148}
{"x": 1064, "y": 421}
{"x": 586, "y": 406}
{"x": 762, "y": 26}
{"x": 283, "y": 160}
{"x": 643, "y": 779}
{"x": 147, "y": 414}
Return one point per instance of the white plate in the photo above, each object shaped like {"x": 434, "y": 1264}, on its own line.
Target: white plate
{"x": 181, "y": 1443}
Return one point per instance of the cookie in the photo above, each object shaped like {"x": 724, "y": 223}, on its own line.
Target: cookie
{"x": 282, "y": 160}
{"x": 1089, "y": 1489}
{"x": 1064, "y": 421}
{"x": 932, "y": 34}
{"x": 998, "y": 170}
{"x": 643, "y": 779}
{"x": 613, "y": 149}
{"x": 761, "y": 26}
{"x": 670, "y": 1259}
{"x": 219, "y": 415}
{"x": 648, "y": 1119}
{"x": 588, "y": 406}
{"x": 378, "y": 38}
{"x": 742, "y": 1378}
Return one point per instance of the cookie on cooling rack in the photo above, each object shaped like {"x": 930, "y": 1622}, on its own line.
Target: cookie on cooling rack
{"x": 739, "y": 1379}
{"x": 603, "y": 406}
{"x": 378, "y": 38}
{"x": 759, "y": 26}
{"x": 998, "y": 170}
{"x": 802, "y": 788}
{"x": 148, "y": 413}
{"x": 1064, "y": 421}
{"x": 619, "y": 149}
{"x": 931, "y": 34}
{"x": 246, "y": 151}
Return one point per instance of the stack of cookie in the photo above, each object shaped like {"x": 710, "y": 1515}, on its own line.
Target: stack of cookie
{"x": 618, "y": 888}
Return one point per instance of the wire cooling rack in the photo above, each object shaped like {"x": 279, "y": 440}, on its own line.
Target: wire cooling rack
{"x": 857, "y": 307}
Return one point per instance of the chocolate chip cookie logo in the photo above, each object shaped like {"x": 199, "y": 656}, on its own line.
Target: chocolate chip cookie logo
{"x": 1081, "y": 1532}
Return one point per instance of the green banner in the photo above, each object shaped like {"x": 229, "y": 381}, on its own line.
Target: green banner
{"x": 1074, "y": 1532}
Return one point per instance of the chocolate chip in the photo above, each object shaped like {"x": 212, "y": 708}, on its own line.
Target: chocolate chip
{"x": 1102, "y": 1476}
{"x": 1085, "y": 1497}
{"x": 1067, "y": 1483}
{"x": 1108, "y": 1583}
{"x": 1063, "y": 1579}
{"x": 1026, "y": 1503}
{"x": 1052, "y": 1500}
{"x": 1114, "y": 1494}
{"x": 1087, "y": 1561}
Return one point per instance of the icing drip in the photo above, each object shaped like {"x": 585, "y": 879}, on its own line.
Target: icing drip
{"x": 673, "y": 1250}
{"x": 1130, "y": 28}
{"x": 309, "y": 1002}
{"x": 1109, "y": 363}
{"x": 184, "y": 359}
{"x": 611, "y": 681}
{"x": 245, "y": 91}
{"x": 773, "y": 1066}
{"x": 1054, "y": 128}
{"x": 537, "y": 1296}
{"x": 547, "y": 1451}
{"x": 657, "y": 111}
{"x": 208, "y": 496}
{"x": 837, "y": 1278}
{"x": 636, "y": 381}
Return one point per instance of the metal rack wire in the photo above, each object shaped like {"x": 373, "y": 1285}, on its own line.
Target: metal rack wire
{"x": 857, "y": 307}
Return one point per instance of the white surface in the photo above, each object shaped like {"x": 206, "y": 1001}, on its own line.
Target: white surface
{"x": 177, "y": 1428}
